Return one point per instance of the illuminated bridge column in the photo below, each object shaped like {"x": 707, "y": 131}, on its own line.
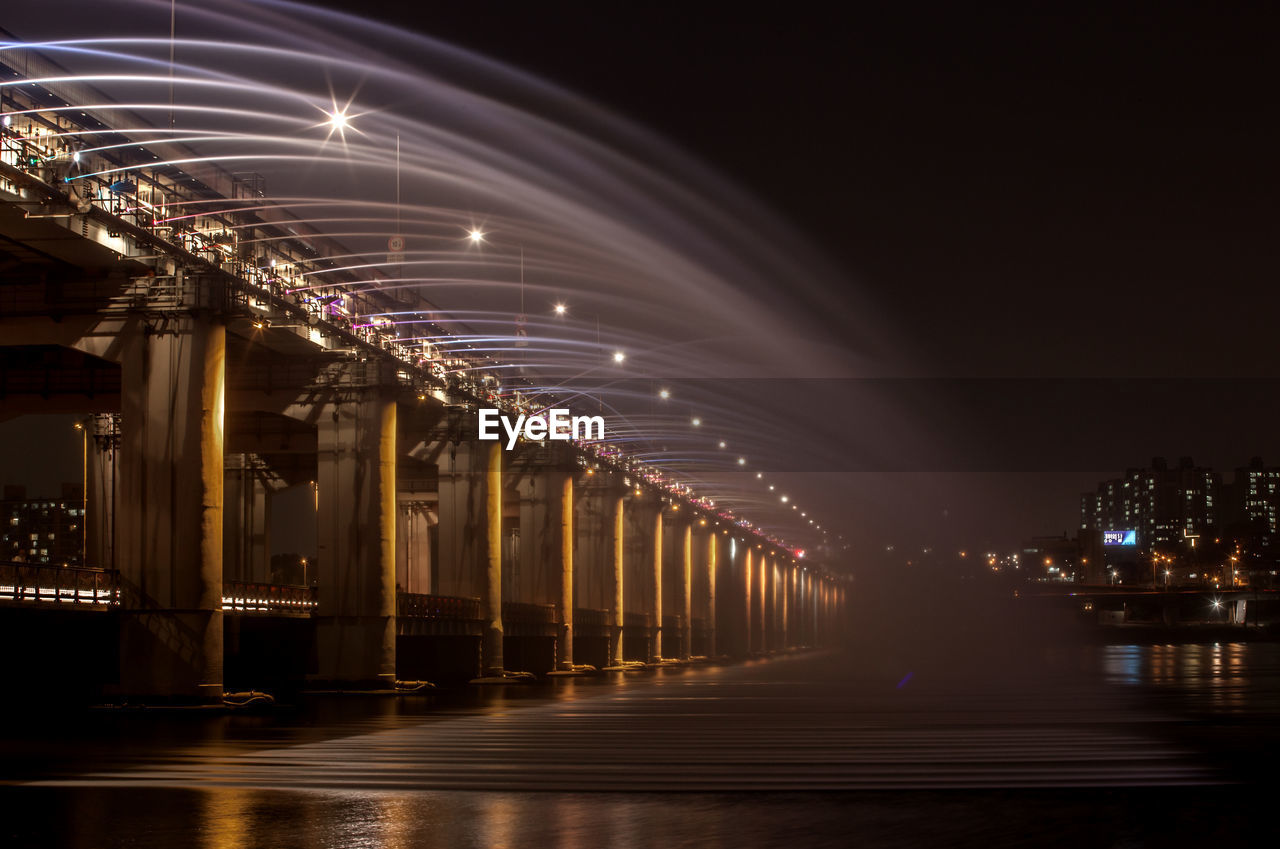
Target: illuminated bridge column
{"x": 771, "y": 605}
{"x": 102, "y": 449}
{"x": 684, "y": 570}
{"x": 655, "y": 582}
{"x": 802, "y": 609}
{"x": 748, "y": 597}
{"x": 470, "y": 537}
{"x": 545, "y": 575}
{"x": 710, "y": 564}
{"x": 640, "y": 512}
{"x": 356, "y": 540}
{"x": 788, "y": 571}
{"x": 765, "y": 573}
{"x": 168, "y": 518}
{"x": 674, "y": 563}
{"x": 246, "y": 521}
{"x": 598, "y": 582}
{"x": 618, "y": 563}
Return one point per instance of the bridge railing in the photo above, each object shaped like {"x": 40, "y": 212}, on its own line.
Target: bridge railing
{"x": 69, "y": 586}
{"x": 637, "y": 620}
{"x": 423, "y": 606}
{"x": 249, "y": 597}
{"x": 590, "y": 617}
{"x": 521, "y": 613}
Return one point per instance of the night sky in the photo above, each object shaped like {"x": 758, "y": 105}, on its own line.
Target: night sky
{"x": 1083, "y": 192}
{"x": 1038, "y": 192}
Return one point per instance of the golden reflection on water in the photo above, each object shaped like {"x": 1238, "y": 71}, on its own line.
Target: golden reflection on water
{"x": 1213, "y": 676}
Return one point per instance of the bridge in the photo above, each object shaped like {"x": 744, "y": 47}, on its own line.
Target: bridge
{"x": 220, "y": 354}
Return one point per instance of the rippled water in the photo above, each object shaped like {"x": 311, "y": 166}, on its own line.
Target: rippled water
{"x": 1079, "y": 745}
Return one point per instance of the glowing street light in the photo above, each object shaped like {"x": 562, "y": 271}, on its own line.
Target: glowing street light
{"x": 742, "y": 461}
{"x": 696, "y": 421}
{"x": 338, "y": 120}
{"x": 560, "y": 309}
{"x": 664, "y": 394}
{"x": 476, "y": 236}
{"x": 618, "y": 356}
{"x": 784, "y": 499}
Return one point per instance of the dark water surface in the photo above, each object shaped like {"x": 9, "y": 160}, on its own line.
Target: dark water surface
{"x": 971, "y": 743}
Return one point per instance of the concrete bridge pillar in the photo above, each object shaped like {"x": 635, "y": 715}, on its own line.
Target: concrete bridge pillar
{"x": 655, "y": 582}
{"x": 806, "y": 608}
{"x": 684, "y": 584}
{"x": 785, "y": 603}
{"x": 168, "y": 517}
{"x": 102, "y": 449}
{"x": 599, "y": 577}
{"x": 642, "y": 581}
{"x": 246, "y": 521}
{"x": 617, "y": 563}
{"x": 547, "y": 543}
{"x": 356, "y": 545}
{"x": 414, "y": 521}
{"x": 470, "y": 537}
{"x": 710, "y": 550}
{"x": 762, "y": 601}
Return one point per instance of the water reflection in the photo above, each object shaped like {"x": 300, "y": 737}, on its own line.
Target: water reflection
{"x": 457, "y": 770}
{"x": 1218, "y": 678}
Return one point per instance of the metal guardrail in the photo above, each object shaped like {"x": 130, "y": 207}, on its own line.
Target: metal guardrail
{"x": 423, "y": 606}
{"x": 519, "y": 613}
{"x": 248, "y": 597}
{"x": 54, "y": 585}
{"x": 590, "y": 617}
{"x": 637, "y": 620}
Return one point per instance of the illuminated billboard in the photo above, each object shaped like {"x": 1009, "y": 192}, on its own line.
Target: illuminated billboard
{"x": 1119, "y": 537}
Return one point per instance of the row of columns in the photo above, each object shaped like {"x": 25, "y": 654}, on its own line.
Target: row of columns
{"x": 633, "y": 555}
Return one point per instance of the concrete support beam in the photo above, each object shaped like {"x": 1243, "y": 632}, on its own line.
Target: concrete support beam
{"x": 168, "y": 518}
{"x": 102, "y": 451}
{"x": 656, "y": 583}
{"x": 356, "y": 546}
{"x": 564, "y": 645}
{"x": 686, "y": 590}
{"x": 762, "y": 599}
{"x": 711, "y": 552}
{"x": 491, "y": 661}
{"x": 546, "y": 573}
{"x": 784, "y": 605}
{"x": 618, "y": 563}
{"x": 414, "y": 522}
{"x": 470, "y": 538}
{"x": 246, "y": 525}
{"x": 599, "y": 575}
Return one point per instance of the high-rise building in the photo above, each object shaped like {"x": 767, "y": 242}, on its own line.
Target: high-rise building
{"x": 1164, "y": 505}
{"x": 1252, "y": 507}
{"x": 42, "y": 530}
